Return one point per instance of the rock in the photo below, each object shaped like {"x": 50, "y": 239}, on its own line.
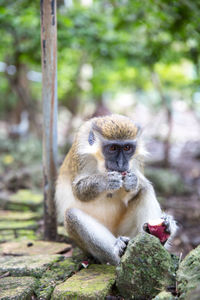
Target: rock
{"x": 12, "y": 288}
{"x": 194, "y": 294}
{"x": 188, "y": 275}
{"x": 27, "y": 265}
{"x": 93, "y": 283}
{"x": 10, "y": 215}
{"x": 24, "y": 200}
{"x": 145, "y": 268}
{"x": 19, "y": 234}
{"x": 164, "y": 296}
{"x": 33, "y": 248}
{"x": 166, "y": 181}
{"x": 17, "y": 225}
{"x": 55, "y": 274}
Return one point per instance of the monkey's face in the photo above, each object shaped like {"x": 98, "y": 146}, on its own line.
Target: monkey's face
{"x": 118, "y": 154}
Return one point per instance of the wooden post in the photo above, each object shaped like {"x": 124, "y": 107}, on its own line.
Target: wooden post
{"x": 49, "y": 98}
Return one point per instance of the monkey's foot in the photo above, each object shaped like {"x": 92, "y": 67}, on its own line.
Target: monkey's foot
{"x": 159, "y": 228}
{"x": 120, "y": 245}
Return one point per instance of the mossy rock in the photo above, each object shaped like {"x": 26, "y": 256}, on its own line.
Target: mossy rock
{"x": 145, "y": 268}
{"x": 9, "y": 215}
{"x": 166, "y": 181}
{"x": 24, "y": 200}
{"x": 17, "y": 288}
{"x": 164, "y": 296}
{"x": 18, "y": 235}
{"x": 27, "y": 265}
{"x": 188, "y": 275}
{"x": 16, "y": 225}
{"x": 93, "y": 283}
{"x": 55, "y": 274}
{"x": 193, "y": 294}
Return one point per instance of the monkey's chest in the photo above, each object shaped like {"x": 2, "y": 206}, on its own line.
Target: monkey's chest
{"x": 108, "y": 210}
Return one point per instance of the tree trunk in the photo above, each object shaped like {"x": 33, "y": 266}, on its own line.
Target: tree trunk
{"x": 49, "y": 96}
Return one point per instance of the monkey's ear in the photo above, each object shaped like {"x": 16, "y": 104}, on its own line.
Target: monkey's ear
{"x": 91, "y": 138}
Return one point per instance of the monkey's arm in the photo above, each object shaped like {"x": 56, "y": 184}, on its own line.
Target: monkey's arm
{"x": 93, "y": 237}
{"x": 88, "y": 187}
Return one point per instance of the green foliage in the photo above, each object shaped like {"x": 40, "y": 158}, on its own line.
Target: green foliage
{"x": 123, "y": 41}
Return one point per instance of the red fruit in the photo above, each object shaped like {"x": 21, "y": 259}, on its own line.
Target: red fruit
{"x": 124, "y": 173}
{"x": 158, "y": 229}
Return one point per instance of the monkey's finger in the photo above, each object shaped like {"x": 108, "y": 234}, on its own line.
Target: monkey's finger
{"x": 125, "y": 239}
{"x": 120, "y": 245}
{"x": 146, "y": 228}
{"x": 166, "y": 223}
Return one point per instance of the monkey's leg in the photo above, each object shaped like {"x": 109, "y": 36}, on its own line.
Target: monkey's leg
{"x": 93, "y": 237}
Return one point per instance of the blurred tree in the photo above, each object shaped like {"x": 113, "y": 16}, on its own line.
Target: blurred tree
{"x": 123, "y": 42}
{"x": 20, "y": 48}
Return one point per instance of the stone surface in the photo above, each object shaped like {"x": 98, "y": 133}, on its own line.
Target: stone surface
{"x": 33, "y": 248}
{"x": 145, "y": 268}
{"x": 21, "y": 234}
{"x": 55, "y": 274}
{"x": 16, "y": 225}
{"x": 27, "y": 265}
{"x": 188, "y": 275}
{"x": 193, "y": 294}
{"x": 9, "y": 215}
{"x": 164, "y": 296}
{"x": 24, "y": 199}
{"x": 93, "y": 283}
{"x": 19, "y": 288}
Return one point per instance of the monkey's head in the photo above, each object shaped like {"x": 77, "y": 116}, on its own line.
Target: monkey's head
{"x": 113, "y": 140}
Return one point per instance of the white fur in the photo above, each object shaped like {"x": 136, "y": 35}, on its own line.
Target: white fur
{"x": 107, "y": 210}
{"x": 131, "y": 214}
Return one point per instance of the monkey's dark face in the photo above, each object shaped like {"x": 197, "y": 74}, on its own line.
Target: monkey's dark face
{"x": 117, "y": 155}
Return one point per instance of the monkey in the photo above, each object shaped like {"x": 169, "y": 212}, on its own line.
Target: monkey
{"x": 102, "y": 194}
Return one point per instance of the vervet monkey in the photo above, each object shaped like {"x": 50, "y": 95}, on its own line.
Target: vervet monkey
{"x": 102, "y": 194}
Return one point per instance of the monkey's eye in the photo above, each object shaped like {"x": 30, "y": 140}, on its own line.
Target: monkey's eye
{"x": 127, "y": 148}
{"x": 113, "y": 148}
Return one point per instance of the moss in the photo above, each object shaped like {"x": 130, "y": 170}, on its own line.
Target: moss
{"x": 19, "y": 288}
{"x": 193, "y": 294}
{"x": 56, "y": 273}
{"x": 188, "y": 275}
{"x": 27, "y": 265}
{"x": 24, "y": 200}
{"x": 93, "y": 283}
{"x": 6, "y": 225}
{"x": 27, "y": 197}
{"x": 164, "y": 296}
{"x": 9, "y": 215}
{"x": 78, "y": 255}
{"x": 145, "y": 268}
{"x": 10, "y": 235}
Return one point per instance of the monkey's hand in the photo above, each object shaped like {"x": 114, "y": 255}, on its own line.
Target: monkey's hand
{"x": 114, "y": 180}
{"x": 130, "y": 181}
{"x": 120, "y": 245}
{"x": 162, "y": 228}
{"x": 89, "y": 187}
